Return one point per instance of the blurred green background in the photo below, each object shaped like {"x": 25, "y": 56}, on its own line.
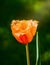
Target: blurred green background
{"x": 13, "y": 53}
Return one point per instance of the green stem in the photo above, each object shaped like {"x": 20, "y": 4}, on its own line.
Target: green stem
{"x": 27, "y": 55}
{"x": 37, "y": 49}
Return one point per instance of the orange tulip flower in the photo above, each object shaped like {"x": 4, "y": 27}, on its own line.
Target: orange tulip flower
{"x": 24, "y": 30}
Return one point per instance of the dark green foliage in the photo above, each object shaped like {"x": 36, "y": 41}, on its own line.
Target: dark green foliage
{"x": 11, "y": 51}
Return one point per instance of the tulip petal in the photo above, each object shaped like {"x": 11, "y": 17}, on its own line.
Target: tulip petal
{"x": 24, "y": 38}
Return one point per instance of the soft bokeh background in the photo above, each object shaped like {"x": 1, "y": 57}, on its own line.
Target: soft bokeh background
{"x": 13, "y": 53}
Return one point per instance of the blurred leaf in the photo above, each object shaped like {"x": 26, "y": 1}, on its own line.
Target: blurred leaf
{"x": 46, "y": 56}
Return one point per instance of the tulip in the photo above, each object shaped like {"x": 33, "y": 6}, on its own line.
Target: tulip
{"x": 24, "y": 30}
